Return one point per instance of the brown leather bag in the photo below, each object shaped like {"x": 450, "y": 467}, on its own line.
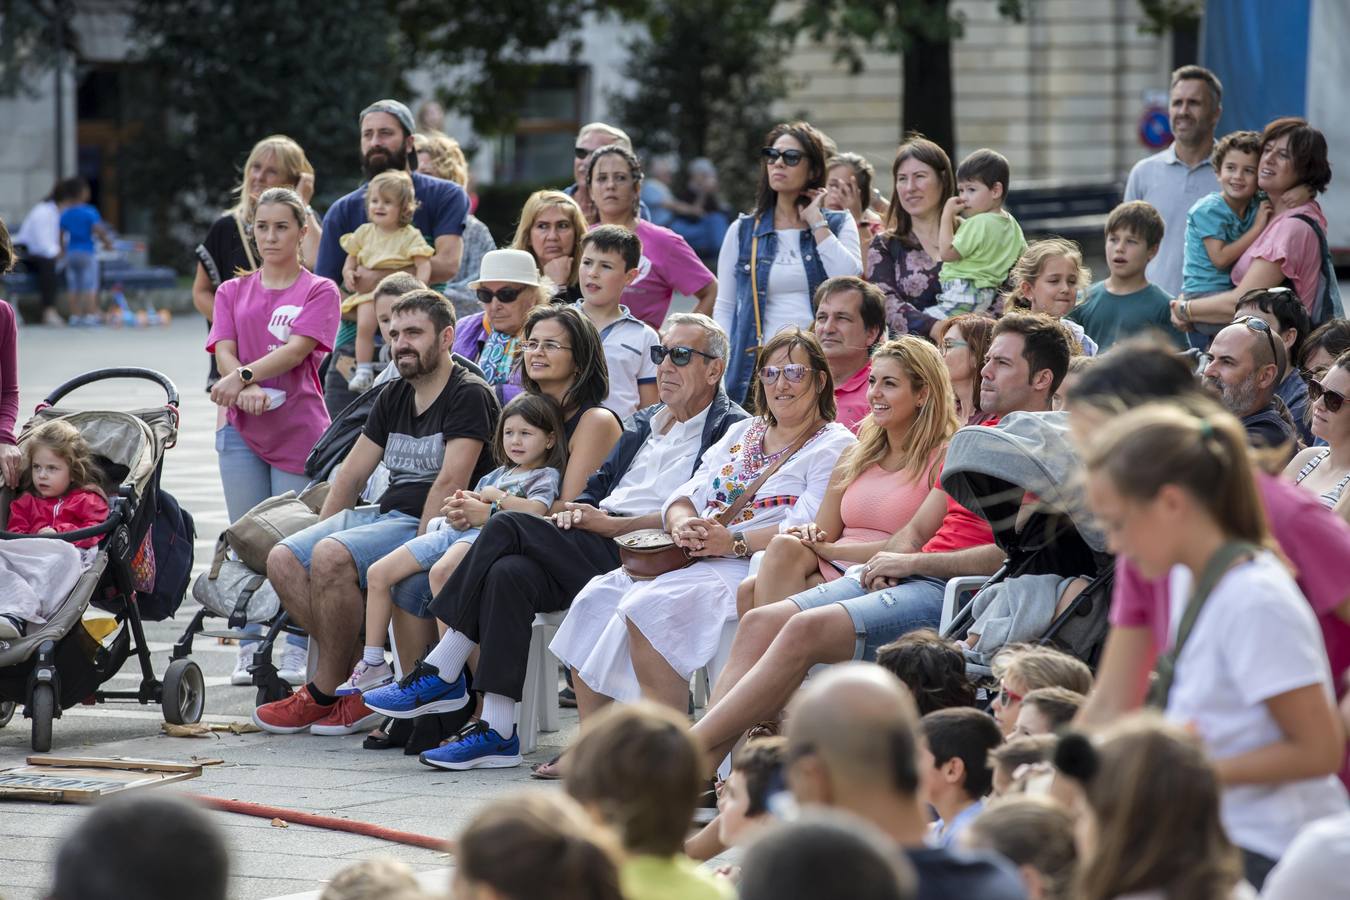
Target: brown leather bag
{"x": 651, "y": 552}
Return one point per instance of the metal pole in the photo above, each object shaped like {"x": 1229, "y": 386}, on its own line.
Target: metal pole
{"x": 60, "y": 98}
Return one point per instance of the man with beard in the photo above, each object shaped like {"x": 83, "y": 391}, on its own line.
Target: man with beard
{"x": 1248, "y": 365}
{"x": 387, "y": 144}
{"x": 433, "y": 430}
{"x": 1176, "y": 178}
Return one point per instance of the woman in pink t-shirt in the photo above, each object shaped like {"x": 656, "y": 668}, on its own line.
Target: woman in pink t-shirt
{"x": 877, "y": 486}
{"x": 1293, "y": 171}
{"x": 269, "y": 333}
{"x": 668, "y": 264}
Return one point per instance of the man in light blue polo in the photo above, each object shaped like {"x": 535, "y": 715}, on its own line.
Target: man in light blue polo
{"x": 1176, "y": 178}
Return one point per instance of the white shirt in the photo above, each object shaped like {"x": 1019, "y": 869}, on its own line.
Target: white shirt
{"x": 627, "y": 341}
{"x": 1255, "y": 638}
{"x": 41, "y": 231}
{"x": 1316, "y": 865}
{"x": 660, "y": 466}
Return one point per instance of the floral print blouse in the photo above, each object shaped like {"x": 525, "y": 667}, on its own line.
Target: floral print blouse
{"x": 908, "y": 277}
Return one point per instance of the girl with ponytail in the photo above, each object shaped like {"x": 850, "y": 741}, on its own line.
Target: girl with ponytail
{"x": 1172, "y": 485}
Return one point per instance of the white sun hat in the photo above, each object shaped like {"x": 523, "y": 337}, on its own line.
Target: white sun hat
{"x": 514, "y": 266}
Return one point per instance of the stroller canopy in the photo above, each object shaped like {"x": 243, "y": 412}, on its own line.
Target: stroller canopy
{"x": 135, "y": 440}
{"x": 989, "y": 470}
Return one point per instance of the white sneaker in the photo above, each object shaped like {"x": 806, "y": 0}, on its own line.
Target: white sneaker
{"x": 361, "y": 381}
{"x": 365, "y": 678}
{"x": 241, "y": 675}
{"x": 294, "y": 668}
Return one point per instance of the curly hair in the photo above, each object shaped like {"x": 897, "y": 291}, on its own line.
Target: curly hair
{"x": 65, "y": 441}
{"x": 933, "y": 669}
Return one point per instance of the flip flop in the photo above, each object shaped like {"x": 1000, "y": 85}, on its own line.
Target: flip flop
{"x": 548, "y": 771}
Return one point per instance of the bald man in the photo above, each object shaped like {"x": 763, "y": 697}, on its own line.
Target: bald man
{"x": 854, "y": 744}
{"x": 1248, "y": 364}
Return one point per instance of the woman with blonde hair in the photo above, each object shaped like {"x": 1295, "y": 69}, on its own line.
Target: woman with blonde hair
{"x": 228, "y": 250}
{"x": 439, "y": 155}
{"x": 877, "y": 484}
{"x": 550, "y": 229}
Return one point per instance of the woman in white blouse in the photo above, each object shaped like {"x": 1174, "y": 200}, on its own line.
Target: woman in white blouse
{"x": 623, "y": 638}
{"x": 774, "y": 258}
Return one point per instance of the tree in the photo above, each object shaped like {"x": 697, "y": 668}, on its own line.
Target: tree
{"x": 706, "y": 91}
{"x": 31, "y": 33}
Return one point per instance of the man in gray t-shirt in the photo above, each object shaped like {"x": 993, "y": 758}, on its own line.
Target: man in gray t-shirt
{"x": 1180, "y": 175}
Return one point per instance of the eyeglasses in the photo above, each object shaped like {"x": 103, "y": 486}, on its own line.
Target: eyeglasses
{"x": 1261, "y": 325}
{"x": 949, "y": 346}
{"x": 1332, "y": 400}
{"x": 1006, "y": 697}
{"x": 789, "y": 157}
{"x": 532, "y": 345}
{"x": 680, "y": 355}
{"x": 793, "y": 372}
{"x": 581, "y": 152}
{"x": 504, "y": 295}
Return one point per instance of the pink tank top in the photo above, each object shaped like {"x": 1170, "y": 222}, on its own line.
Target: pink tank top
{"x": 877, "y": 505}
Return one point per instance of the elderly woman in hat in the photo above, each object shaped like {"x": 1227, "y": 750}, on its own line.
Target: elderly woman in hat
{"x": 509, "y": 286}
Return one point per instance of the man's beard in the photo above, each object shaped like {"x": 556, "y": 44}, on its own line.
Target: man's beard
{"x": 1238, "y": 399}
{"x": 415, "y": 365}
{"x": 380, "y": 159}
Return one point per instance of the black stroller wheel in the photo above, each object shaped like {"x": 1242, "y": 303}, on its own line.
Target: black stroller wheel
{"x": 42, "y": 709}
{"x": 6, "y": 712}
{"x": 184, "y": 693}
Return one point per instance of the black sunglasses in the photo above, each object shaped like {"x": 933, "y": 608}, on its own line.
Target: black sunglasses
{"x": 1261, "y": 325}
{"x": 581, "y": 152}
{"x": 505, "y": 295}
{"x": 680, "y": 356}
{"x": 789, "y": 157}
{"x": 1330, "y": 399}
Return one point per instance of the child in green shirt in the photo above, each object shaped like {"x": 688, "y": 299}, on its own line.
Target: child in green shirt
{"x": 979, "y": 250}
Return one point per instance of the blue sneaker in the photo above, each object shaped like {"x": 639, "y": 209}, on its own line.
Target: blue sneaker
{"x": 420, "y": 692}
{"x": 476, "y": 747}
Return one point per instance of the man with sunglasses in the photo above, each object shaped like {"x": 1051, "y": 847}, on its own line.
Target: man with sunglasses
{"x": 1248, "y": 363}
{"x": 591, "y": 138}
{"x": 1280, "y": 308}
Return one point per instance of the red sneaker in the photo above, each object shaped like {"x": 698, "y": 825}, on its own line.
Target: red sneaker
{"x": 348, "y": 716}
{"x": 290, "y": 716}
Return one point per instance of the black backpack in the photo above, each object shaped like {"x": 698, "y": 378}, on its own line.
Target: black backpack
{"x": 1327, "y": 306}
{"x": 172, "y": 534}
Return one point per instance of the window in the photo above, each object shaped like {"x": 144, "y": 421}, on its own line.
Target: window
{"x": 540, "y": 150}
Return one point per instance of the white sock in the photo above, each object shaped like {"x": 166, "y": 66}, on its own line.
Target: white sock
{"x": 499, "y": 712}
{"x": 365, "y": 367}
{"x": 373, "y": 656}
{"x": 450, "y": 655}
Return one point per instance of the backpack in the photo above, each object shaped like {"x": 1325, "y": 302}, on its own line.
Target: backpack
{"x": 1327, "y": 306}
{"x": 171, "y": 534}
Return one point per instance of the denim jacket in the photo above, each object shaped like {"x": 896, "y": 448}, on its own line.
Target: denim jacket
{"x": 745, "y": 339}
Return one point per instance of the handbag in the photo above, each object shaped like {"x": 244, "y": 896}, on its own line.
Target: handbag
{"x": 257, "y": 531}
{"x": 651, "y": 552}
{"x": 238, "y": 594}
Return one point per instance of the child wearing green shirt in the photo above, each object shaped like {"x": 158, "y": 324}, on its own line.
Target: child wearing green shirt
{"x": 979, "y": 250}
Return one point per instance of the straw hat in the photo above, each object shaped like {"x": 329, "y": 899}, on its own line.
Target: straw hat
{"x": 514, "y": 266}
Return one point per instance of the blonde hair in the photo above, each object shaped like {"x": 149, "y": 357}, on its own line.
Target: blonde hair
{"x": 63, "y": 439}
{"x": 1038, "y": 666}
{"x": 1189, "y": 442}
{"x": 1031, "y": 831}
{"x": 290, "y": 158}
{"x": 1031, "y": 264}
{"x": 447, "y": 158}
{"x": 396, "y": 187}
{"x": 932, "y": 429}
{"x": 372, "y": 879}
{"x": 618, "y": 134}
{"x": 534, "y": 207}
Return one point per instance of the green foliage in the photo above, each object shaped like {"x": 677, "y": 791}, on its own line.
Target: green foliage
{"x": 30, "y": 32}
{"x": 1162, "y": 16}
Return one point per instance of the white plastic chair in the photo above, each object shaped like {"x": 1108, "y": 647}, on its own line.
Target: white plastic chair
{"x": 959, "y": 592}
{"x": 538, "y": 710}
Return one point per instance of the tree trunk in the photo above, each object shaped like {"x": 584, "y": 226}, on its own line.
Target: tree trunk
{"x": 927, "y": 103}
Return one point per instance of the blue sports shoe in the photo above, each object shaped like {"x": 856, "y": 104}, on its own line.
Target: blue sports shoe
{"x": 476, "y": 747}
{"x": 420, "y": 692}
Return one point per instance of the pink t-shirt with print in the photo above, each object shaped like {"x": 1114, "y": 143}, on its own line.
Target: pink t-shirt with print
{"x": 1291, "y": 244}
{"x": 259, "y": 320}
{"x": 668, "y": 264}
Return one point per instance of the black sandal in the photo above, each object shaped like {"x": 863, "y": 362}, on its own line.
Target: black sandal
{"x": 542, "y": 772}
{"x": 392, "y": 734}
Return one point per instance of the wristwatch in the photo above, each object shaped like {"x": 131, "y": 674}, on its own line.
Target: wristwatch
{"x": 738, "y": 545}
{"x": 245, "y": 374}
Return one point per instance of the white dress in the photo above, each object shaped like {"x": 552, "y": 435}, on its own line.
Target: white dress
{"x": 682, "y": 613}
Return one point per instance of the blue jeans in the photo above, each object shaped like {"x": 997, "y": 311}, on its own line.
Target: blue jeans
{"x": 247, "y": 481}
{"x": 880, "y": 617}
{"x": 81, "y": 272}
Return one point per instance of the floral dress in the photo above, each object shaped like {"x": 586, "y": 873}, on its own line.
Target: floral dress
{"x": 908, "y": 277}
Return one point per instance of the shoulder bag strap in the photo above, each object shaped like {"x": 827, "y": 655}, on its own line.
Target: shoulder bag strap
{"x": 754, "y": 285}
{"x": 1217, "y": 567}
{"x": 729, "y": 514}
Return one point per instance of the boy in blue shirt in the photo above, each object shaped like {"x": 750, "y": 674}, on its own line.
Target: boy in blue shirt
{"x": 80, "y": 224}
{"x": 1126, "y": 302}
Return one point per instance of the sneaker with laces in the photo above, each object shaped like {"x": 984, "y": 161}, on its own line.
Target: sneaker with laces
{"x": 290, "y": 716}
{"x": 366, "y": 677}
{"x": 294, "y": 668}
{"x": 361, "y": 381}
{"x": 476, "y": 747}
{"x": 241, "y": 675}
{"x": 348, "y": 716}
{"x": 420, "y": 692}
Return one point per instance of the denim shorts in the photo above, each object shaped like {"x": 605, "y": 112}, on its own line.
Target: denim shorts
{"x": 428, "y": 548}
{"x": 81, "y": 272}
{"x": 880, "y": 617}
{"x": 367, "y": 534}
{"x": 413, "y": 595}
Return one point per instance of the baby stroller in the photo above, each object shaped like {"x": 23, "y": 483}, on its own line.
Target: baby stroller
{"x": 989, "y": 471}
{"x": 63, "y": 662}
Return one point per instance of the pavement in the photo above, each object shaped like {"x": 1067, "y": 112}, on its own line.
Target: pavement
{"x": 328, "y": 776}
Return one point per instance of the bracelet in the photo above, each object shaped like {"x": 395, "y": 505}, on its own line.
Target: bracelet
{"x": 1184, "y": 307}
{"x": 823, "y": 223}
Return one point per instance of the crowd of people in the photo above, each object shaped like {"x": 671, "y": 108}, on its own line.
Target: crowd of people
{"x": 790, "y": 477}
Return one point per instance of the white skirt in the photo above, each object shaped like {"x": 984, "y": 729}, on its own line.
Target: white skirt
{"x": 681, "y": 613}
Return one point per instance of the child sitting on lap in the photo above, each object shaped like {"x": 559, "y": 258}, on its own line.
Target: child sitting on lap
{"x": 978, "y": 251}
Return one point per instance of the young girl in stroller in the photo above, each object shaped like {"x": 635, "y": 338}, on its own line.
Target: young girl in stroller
{"x": 60, "y": 492}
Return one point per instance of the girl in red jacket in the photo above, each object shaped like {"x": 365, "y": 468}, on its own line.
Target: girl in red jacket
{"x": 60, "y": 492}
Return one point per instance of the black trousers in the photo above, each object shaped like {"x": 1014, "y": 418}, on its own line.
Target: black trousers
{"x": 44, "y": 269}
{"x": 520, "y": 565}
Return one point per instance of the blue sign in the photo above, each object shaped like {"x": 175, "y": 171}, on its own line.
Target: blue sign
{"x": 1154, "y": 130}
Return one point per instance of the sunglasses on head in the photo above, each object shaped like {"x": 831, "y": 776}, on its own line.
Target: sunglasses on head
{"x": 1262, "y": 326}
{"x": 679, "y": 355}
{"x": 1332, "y": 400}
{"x": 793, "y": 372}
{"x": 789, "y": 157}
{"x": 504, "y": 295}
